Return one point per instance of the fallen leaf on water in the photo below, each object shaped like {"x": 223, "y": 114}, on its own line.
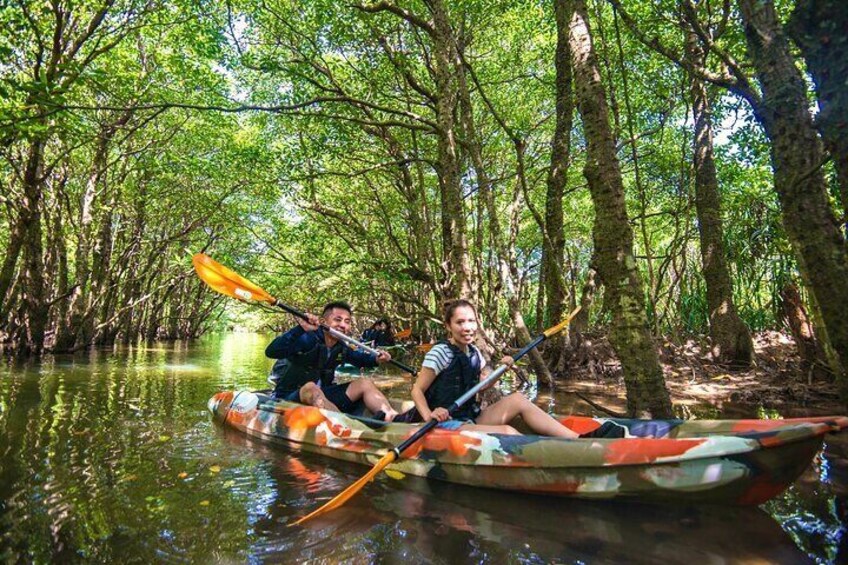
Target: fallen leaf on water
{"x": 215, "y": 469}
{"x": 182, "y": 475}
{"x": 229, "y": 484}
{"x": 204, "y": 503}
{"x": 164, "y": 438}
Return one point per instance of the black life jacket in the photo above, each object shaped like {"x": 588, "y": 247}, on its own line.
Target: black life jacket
{"x": 460, "y": 376}
{"x": 378, "y": 337}
{"x": 318, "y": 365}
{"x": 369, "y": 335}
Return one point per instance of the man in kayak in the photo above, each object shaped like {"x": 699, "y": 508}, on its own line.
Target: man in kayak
{"x": 307, "y": 361}
{"x": 379, "y": 334}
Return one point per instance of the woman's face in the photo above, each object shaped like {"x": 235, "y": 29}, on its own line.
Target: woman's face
{"x": 463, "y": 325}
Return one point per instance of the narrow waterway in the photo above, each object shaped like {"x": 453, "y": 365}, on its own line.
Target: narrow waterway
{"x": 112, "y": 456}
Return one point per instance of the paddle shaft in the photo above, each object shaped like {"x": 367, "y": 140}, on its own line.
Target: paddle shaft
{"x": 344, "y": 338}
{"x": 493, "y": 376}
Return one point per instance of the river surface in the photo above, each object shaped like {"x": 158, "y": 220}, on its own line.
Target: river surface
{"x": 112, "y": 456}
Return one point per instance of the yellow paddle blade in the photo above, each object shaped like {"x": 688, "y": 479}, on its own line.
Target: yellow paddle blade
{"x": 225, "y": 281}
{"x": 350, "y": 491}
{"x": 396, "y": 475}
{"x": 403, "y": 334}
{"x": 562, "y": 325}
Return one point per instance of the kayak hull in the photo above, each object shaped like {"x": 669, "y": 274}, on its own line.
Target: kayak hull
{"x": 722, "y": 461}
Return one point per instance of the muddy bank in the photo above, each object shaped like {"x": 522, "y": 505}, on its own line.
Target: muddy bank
{"x": 776, "y": 381}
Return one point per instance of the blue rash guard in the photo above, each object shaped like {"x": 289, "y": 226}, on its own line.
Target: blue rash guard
{"x": 304, "y": 357}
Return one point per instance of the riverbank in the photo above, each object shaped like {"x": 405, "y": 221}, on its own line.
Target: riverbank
{"x": 776, "y": 381}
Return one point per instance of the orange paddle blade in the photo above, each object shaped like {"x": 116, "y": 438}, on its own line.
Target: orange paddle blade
{"x": 403, "y": 334}
{"x": 225, "y": 281}
{"x": 350, "y": 491}
{"x": 425, "y": 347}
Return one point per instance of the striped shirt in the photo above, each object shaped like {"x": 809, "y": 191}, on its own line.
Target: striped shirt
{"x": 440, "y": 357}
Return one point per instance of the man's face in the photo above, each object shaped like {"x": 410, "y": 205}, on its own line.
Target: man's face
{"x": 338, "y": 319}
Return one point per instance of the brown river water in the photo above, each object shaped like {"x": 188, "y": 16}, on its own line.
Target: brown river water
{"x": 112, "y": 456}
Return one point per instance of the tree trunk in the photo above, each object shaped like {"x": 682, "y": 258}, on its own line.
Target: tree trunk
{"x": 797, "y": 158}
{"x": 56, "y": 257}
{"x": 426, "y": 253}
{"x": 801, "y": 328}
{"x": 32, "y": 278}
{"x": 731, "y": 339}
{"x": 68, "y": 331}
{"x": 587, "y": 298}
{"x": 553, "y": 249}
{"x": 457, "y": 268}
{"x": 130, "y": 319}
{"x": 820, "y": 29}
{"x": 10, "y": 260}
{"x": 654, "y": 283}
{"x": 613, "y": 238}
{"x": 541, "y": 307}
{"x": 101, "y": 295}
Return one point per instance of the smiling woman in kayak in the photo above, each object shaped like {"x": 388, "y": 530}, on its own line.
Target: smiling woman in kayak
{"x": 453, "y": 367}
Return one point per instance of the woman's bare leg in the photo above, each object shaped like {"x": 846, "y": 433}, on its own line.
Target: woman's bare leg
{"x": 488, "y": 429}
{"x": 516, "y": 404}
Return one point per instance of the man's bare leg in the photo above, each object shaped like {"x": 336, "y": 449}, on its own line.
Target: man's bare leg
{"x": 312, "y": 395}
{"x": 374, "y": 400}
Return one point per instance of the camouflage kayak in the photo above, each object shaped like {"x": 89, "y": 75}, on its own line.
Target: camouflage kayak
{"x": 718, "y": 461}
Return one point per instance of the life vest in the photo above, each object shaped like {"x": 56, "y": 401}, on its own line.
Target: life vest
{"x": 318, "y": 365}
{"x": 369, "y": 336}
{"x": 460, "y": 376}
{"x": 377, "y": 337}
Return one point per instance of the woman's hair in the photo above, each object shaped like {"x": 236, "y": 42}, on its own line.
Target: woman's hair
{"x": 385, "y": 321}
{"x": 449, "y": 307}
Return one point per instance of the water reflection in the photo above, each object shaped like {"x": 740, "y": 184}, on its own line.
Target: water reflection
{"x": 91, "y": 451}
{"x": 112, "y": 456}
